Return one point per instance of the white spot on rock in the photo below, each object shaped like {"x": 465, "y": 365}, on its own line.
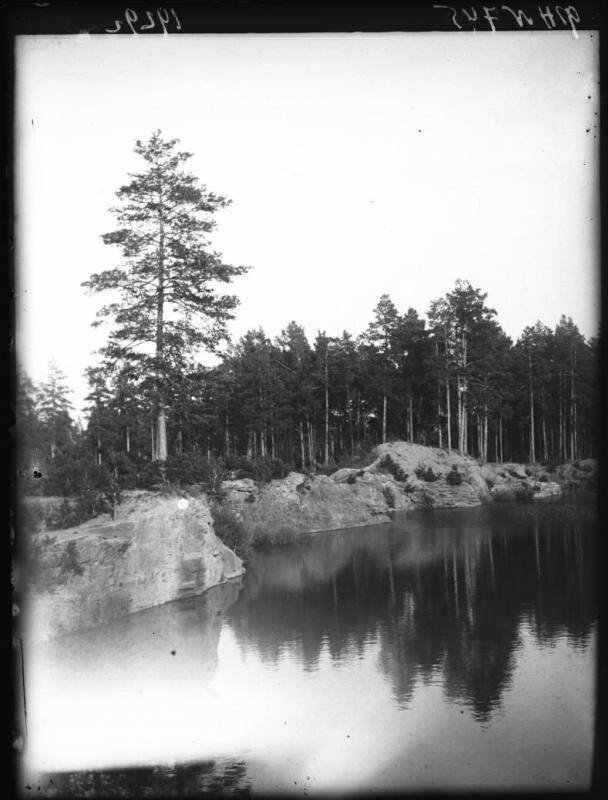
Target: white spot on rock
{"x": 182, "y": 504}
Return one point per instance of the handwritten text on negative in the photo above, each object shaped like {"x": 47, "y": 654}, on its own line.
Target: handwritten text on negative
{"x": 546, "y": 17}
{"x": 147, "y": 21}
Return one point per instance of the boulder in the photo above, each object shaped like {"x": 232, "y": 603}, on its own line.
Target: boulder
{"x": 159, "y": 548}
{"x": 299, "y": 504}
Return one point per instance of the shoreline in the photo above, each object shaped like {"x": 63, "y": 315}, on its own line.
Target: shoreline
{"x": 162, "y": 547}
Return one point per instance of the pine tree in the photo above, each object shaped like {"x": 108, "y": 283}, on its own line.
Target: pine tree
{"x": 380, "y": 335}
{"x": 54, "y": 409}
{"x": 168, "y": 304}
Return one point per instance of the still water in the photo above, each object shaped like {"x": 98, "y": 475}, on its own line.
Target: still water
{"x": 449, "y": 649}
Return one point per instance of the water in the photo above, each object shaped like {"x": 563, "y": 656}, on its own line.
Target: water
{"x": 451, "y": 649}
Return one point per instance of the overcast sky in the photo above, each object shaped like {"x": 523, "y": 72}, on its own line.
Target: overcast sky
{"x": 358, "y": 164}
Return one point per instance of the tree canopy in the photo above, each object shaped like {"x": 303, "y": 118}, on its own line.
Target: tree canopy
{"x": 169, "y": 304}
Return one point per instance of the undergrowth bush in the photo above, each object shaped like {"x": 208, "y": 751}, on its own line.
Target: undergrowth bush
{"x": 69, "y": 564}
{"x": 231, "y": 530}
{"x": 425, "y": 473}
{"x": 33, "y": 561}
{"x": 387, "y": 464}
{"x": 454, "y": 478}
{"x": 261, "y": 470}
{"x": 389, "y": 497}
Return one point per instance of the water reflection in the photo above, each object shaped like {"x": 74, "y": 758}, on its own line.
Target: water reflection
{"x": 443, "y": 592}
{"x": 214, "y": 778}
{"x": 130, "y": 692}
{"x": 448, "y": 649}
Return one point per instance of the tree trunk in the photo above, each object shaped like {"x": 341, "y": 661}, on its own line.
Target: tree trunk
{"x": 161, "y": 453}
{"x": 311, "y": 447}
{"x": 411, "y": 416}
{"x": 573, "y": 454}
{"x": 561, "y": 448}
{"x": 459, "y": 412}
{"x": 326, "y": 413}
{"x": 302, "y": 455}
{"x": 500, "y": 437}
{"x": 152, "y": 438}
{"x": 447, "y": 403}
{"x": 485, "y": 433}
{"x": 128, "y": 441}
{"x": 350, "y": 422}
{"x": 384, "y": 404}
{"x": 532, "y": 449}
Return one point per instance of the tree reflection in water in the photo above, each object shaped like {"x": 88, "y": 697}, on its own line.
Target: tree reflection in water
{"x": 214, "y": 778}
{"x": 444, "y": 593}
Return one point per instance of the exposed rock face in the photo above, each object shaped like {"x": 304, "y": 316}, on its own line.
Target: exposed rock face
{"x": 509, "y": 481}
{"x": 300, "y": 504}
{"x": 432, "y": 477}
{"x": 353, "y": 497}
{"x": 402, "y": 476}
{"x": 159, "y": 548}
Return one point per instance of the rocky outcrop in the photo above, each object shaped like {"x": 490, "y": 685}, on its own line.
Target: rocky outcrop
{"x": 158, "y": 549}
{"x": 402, "y": 476}
{"x": 510, "y": 481}
{"x": 431, "y": 477}
{"x": 301, "y": 504}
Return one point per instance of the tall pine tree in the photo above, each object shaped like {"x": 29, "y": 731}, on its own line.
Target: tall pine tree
{"x": 168, "y": 302}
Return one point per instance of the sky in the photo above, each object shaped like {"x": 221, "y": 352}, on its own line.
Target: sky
{"x": 357, "y": 165}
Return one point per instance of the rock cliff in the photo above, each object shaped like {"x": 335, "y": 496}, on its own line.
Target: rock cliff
{"x": 158, "y": 549}
{"x": 401, "y": 476}
{"x": 163, "y": 547}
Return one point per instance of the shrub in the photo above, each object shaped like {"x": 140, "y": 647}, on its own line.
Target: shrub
{"x": 229, "y": 528}
{"x": 261, "y": 470}
{"x": 62, "y": 516}
{"x": 150, "y": 474}
{"x": 183, "y": 468}
{"x": 426, "y": 473}
{"x": 69, "y": 564}
{"x": 30, "y": 516}
{"x": 266, "y": 469}
{"x": 34, "y": 563}
{"x": 454, "y": 478}
{"x": 388, "y": 496}
{"x": 87, "y": 505}
{"x": 426, "y": 499}
{"x": 392, "y": 468}
{"x": 362, "y": 457}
